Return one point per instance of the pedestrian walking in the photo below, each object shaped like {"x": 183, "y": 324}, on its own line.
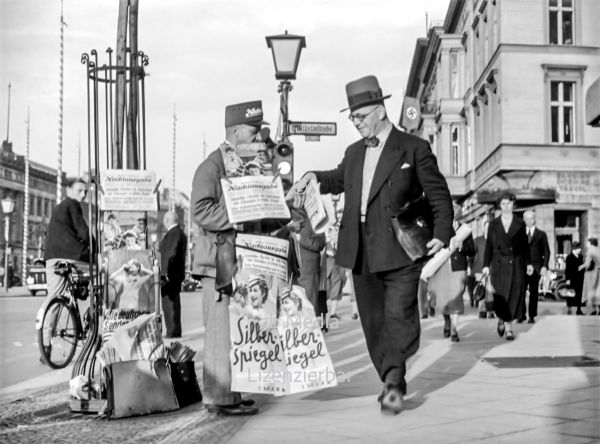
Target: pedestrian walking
{"x": 311, "y": 245}
{"x": 337, "y": 278}
{"x": 173, "y": 249}
{"x": 507, "y": 261}
{"x": 381, "y": 174}
{"x": 539, "y": 252}
{"x": 215, "y": 263}
{"x": 591, "y": 278}
{"x": 574, "y": 277}
{"x": 447, "y": 286}
{"x": 476, "y": 267}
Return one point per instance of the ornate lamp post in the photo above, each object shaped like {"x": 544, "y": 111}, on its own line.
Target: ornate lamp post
{"x": 8, "y": 205}
{"x": 286, "y": 49}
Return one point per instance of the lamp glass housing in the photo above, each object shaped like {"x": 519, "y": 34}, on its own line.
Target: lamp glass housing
{"x": 8, "y": 205}
{"x": 286, "y": 49}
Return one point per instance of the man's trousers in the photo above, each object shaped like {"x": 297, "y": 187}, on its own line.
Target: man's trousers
{"x": 217, "y": 345}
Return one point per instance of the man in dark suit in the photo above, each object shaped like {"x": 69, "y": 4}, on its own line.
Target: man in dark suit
{"x": 172, "y": 257}
{"x": 539, "y": 250}
{"x": 383, "y": 171}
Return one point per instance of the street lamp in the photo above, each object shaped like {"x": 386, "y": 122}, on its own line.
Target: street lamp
{"x": 8, "y": 205}
{"x": 286, "y": 49}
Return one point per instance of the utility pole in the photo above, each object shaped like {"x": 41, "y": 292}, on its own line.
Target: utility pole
{"x": 26, "y": 207}
{"x": 60, "y": 109}
{"x": 8, "y": 115}
{"x": 172, "y": 192}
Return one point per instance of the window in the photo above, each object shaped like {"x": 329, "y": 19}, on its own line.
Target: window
{"x": 454, "y": 74}
{"x": 561, "y": 22}
{"x": 454, "y": 150}
{"x": 562, "y": 111}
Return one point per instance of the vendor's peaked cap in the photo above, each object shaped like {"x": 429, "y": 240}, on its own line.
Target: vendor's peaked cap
{"x": 247, "y": 113}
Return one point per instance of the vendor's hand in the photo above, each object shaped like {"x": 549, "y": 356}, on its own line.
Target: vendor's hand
{"x": 296, "y": 193}
{"x": 434, "y": 246}
{"x": 485, "y": 271}
{"x": 529, "y": 270}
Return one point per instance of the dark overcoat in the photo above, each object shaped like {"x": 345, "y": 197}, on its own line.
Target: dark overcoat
{"x": 539, "y": 250}
{"x": 406, "y": 169}
{"x": 173, "y": 249}
{"x": 507, "y": 256}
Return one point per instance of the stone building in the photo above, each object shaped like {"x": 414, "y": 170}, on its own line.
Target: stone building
{"x": 501, "y": 86}
{"x": 42, "y": 199}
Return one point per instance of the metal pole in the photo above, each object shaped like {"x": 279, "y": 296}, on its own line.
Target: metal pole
{"x": 8, "y": 114}
{"x": 285, "y": 87}
{"x": 172, "y": 192}
{"x": 60, "y": 110}
{"x": 26, "y": 208}
{"x": 6, "y": 237}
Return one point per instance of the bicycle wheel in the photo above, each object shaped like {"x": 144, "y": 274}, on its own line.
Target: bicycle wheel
{"x": 57, "y": 339}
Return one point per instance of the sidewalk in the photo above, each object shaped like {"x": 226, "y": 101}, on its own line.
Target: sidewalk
{"x": 543, "y": 387}
{"x": 535, "y": 389}
{"x": 18, "y": 291}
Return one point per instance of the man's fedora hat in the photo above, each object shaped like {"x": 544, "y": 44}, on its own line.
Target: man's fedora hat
{"x": 247, "y": 113}
{"x": 362, "y": 92}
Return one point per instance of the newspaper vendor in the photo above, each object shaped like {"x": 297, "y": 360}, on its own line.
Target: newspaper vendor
{"x": 243, "y": 122}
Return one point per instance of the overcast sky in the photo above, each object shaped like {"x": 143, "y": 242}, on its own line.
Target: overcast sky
{"x": 204, "y": 55}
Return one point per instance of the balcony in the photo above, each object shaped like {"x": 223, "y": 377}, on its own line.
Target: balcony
{"x": 511, "y": 157}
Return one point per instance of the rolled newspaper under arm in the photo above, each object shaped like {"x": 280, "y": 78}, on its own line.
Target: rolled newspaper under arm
{"x": 444, "y": 254}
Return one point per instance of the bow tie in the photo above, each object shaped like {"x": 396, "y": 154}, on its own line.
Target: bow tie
{"x": 371, "y": 142}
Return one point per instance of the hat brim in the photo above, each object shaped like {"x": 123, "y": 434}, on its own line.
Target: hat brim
{"x": 366, "y": 102}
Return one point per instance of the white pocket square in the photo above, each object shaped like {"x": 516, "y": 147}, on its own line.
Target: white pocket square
{"x": 405, "y": 165}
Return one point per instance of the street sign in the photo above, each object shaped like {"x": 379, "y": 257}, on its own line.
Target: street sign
{"x": 313, "y": 128}
{"x": 312, "y": 138}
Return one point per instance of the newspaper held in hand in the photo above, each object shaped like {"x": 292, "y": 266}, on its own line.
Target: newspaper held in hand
{"x": 319, "y": 214}
{"x": 444, "y": 254}
{"x": 252, "y": 198}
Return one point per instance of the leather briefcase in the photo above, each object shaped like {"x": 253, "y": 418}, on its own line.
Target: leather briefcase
{"x": 226, "y": 262}
{"x": 185, "y": 383}
{"x": 140, "y": 388}
{"x": 413, "y": 228}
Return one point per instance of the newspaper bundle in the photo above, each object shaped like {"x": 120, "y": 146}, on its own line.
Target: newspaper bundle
{"x": 319, "y": 214}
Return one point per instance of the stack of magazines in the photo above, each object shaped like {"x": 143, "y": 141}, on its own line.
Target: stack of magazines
{"x": 180, "y": 353}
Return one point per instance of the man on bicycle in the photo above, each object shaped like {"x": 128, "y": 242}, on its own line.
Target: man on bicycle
{"x": 68, "y": 237}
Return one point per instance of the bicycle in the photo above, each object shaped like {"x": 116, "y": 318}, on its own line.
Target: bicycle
{"x": 58, "y": 322}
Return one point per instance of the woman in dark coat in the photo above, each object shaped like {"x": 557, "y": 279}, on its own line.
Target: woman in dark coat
{"x": 506, "y": 260}
{"x": 574, "y": 277}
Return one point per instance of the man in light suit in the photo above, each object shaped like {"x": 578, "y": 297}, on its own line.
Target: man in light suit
{"x": 539, "y": 250}
{"x": 172, "y": 256}
{"x": 379, "y": 174}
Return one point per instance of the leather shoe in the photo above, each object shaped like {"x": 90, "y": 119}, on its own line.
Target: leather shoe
{"x": 501, "y": 328}
{"x": 391, "y": 400}
{"x": 510, "y": 336}
{"x": 248, "y": 402}
{"x": 531, "y": 321}
{"x": 454, "y": 337}
{"x": 446, "y": 326}
{"x": 232, "y": 410}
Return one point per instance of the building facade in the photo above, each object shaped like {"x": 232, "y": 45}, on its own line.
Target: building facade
{"x": 42, "y": 199}
{"x": 501, "y": 86}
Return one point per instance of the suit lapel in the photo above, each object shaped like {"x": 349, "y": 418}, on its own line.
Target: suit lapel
{"x": 390, "y": 156}
{"x": 356, "y": 171}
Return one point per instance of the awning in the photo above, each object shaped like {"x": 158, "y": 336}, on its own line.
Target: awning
{"x": 525, "y": 197}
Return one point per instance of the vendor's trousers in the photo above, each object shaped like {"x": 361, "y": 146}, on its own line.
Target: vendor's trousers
{"x": 217, "y": 345}
{"x": 389, "y": 314}
{"x": 171, "y": 304}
